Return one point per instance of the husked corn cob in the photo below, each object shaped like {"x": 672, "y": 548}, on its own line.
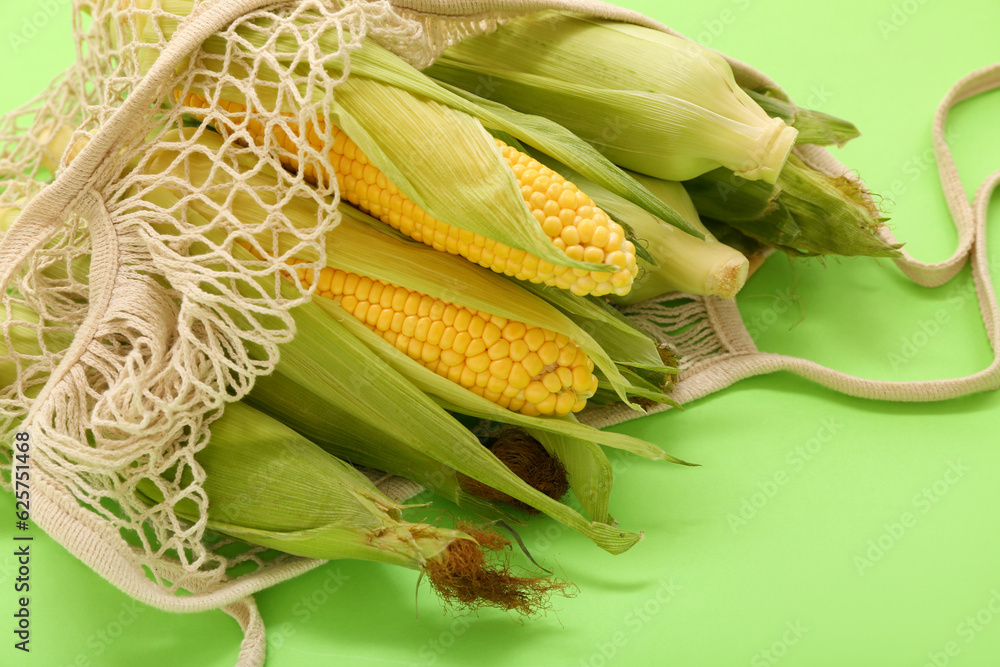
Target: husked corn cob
{"x": 524, "y": 368}
{"x": 567, "y": 216}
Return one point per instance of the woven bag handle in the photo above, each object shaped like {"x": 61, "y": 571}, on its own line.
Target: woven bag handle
{"x": 970, "y": 221}
{"x": 744, "y": 360}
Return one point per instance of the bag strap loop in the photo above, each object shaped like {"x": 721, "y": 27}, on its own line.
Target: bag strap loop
{"x": 970, "y": 222}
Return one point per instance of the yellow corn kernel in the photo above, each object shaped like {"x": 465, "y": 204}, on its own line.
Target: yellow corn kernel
{"x": 491, "y": 356}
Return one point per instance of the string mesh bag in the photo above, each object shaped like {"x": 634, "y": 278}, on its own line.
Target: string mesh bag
{"x": 129, "y": 322}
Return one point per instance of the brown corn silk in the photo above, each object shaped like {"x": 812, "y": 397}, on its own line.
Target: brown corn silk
{"x": 527, "y": 459}
{"x": 476, "y": 574}
{"x": 168, "y": 310}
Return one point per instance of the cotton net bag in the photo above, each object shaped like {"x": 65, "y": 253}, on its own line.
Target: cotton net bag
{"x": 147, "y": 325}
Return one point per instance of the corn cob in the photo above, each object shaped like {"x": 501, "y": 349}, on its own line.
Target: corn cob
{"x": 279, "y": 490}
{"x": 678, "y": 117}
{"x": 524, "y": 368}
{"x": 568, "y": 217}
{"x": 317, "y": 389}
{"x": 528, "y": 369}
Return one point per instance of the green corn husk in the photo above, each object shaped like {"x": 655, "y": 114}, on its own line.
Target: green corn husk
{"x": 681, "y": 117}
{"x": 460, "y": 451}
{"x": 807, "y": 213}
{"x": 587, "y": 468}
{"x": 814, "y": 127}
{"x": 269, "y": 486}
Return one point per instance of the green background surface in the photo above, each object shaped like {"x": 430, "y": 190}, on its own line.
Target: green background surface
{"x": 821, "y": 570}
